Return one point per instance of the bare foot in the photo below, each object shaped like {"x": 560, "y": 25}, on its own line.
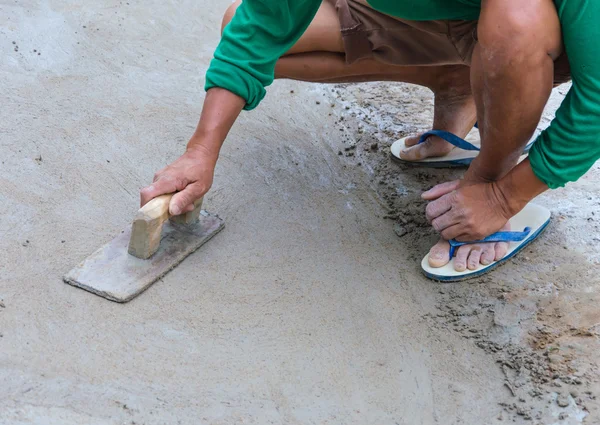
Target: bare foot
{"x": 468, "y": 256}
{"x": 454, "y": 111}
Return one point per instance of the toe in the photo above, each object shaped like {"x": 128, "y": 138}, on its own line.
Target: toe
{"x": 488, "y": 254}
{"x": 500, "y": 249}
{"x": 414, "y": 152}
{"x": 431, "y": 148}
{"x": 439, "y": 254}
{"x": 412, "y": 140}
{"x": 460, "y": 262}
{"x": 474, "y": 257}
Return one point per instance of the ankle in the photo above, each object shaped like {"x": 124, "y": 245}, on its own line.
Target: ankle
{"x": 452, "y": 81}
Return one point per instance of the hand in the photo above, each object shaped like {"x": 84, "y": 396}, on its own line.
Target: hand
{"x": 191, "y": 176}
{"x": 466, "y": 211}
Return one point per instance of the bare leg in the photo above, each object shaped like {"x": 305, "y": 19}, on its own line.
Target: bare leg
{"x": 512, "y": 77}
{"x": 319, "y": 57}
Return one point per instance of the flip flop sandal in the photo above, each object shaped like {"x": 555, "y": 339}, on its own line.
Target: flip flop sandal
{"x": 461, "y": 156}
{"x": 533, "y": 219}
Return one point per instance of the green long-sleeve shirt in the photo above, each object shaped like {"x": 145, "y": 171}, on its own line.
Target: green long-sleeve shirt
{"x": 263, "y": 30}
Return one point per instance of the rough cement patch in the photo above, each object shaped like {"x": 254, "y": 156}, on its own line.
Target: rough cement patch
{"x": 537, "y": 316}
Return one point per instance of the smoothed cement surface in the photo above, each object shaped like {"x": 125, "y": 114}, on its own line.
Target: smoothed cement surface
{"x": 306, "y": 309}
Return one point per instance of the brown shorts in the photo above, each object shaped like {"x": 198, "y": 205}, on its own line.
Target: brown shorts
{"x": 367, "y": 33}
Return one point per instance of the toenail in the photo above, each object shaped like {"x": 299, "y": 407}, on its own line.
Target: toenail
{"x": 438, "y": 255}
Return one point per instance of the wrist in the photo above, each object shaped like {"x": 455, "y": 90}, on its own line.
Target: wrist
{"x": 518, "y": 187}
{"x": 203, "y": 148}
{"x": 483, "y": 171}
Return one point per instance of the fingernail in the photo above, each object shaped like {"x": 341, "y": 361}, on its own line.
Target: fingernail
{"x": 176, "y": 210}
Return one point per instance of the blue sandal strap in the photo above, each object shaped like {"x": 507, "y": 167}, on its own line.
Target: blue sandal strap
{"x": 450, "y": 138}
{"x": 496, "y": 237}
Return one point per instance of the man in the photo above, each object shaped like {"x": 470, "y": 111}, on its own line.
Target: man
{"x": 490, "y": 61}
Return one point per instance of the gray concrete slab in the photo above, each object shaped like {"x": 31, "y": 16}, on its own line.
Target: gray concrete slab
{"x": 307, "y": 309}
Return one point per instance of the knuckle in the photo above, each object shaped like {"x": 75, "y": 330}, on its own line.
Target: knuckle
{"x": 180, "y": 182}
{"x": 146, "y": 191}
{"x": 429, "y": 210}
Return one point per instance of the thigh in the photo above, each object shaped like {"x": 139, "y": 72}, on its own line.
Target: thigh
{"x": 323, "y": 33}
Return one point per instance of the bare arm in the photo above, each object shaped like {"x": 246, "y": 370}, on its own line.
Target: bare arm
{"x": 192, "y": 174}
{"x": 243, "y": 65}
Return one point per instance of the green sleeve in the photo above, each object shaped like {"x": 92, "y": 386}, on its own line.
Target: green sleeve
{"x": 571, "y": 145}
{"x": 260, "y": 32}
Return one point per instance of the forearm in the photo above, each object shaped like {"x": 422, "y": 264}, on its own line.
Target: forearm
{"x": 518, "y": 187}
{"x": 221, "y": 109}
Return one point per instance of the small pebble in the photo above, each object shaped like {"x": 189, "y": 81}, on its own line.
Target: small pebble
{"x": 14, "y": 42}
{"x": 562, "y": 400}
{"x": 400, "y": 230}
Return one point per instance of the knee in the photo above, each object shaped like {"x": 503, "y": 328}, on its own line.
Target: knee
{"x": 229, "y": 14}
{"x": 513, "y": 32}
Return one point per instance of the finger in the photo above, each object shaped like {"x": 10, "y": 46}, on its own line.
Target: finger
{"x": 501, "y": 249}
{"x": 474, "y": 257}
{"x": 439, "y": 254}
{"x": 159, "y": 187}
{"x": 188, "y": 209}
{"x": 158, "y": 174}
{"x": 440, "y": 190}
{"x": 185, "y": 198}
{"x": 452, "y": 232}
{"x": 444, "y": 221}
{"x": 488, "y": 254}
{"x": 438, "y": 207}
{"x": 460, "y": 261}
